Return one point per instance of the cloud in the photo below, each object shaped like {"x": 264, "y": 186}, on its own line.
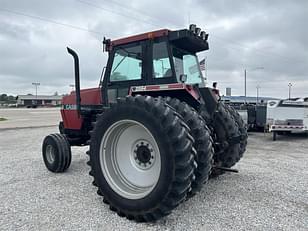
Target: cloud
{"x": 243, "y": 35}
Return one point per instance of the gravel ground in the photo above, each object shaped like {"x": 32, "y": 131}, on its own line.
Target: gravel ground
{"x": 269, "y": 192}
{"x": 29, "y": 117}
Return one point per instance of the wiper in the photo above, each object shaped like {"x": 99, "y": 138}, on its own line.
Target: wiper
{"x": 128, "y": 53}
{"x": 119, "y": 64}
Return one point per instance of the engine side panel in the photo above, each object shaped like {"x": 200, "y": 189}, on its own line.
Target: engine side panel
{"x": 71, "y": 119}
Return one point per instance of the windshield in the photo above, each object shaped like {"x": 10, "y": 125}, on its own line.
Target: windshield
{"x": 187, "y": 64}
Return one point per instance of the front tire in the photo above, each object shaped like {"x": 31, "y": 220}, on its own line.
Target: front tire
{"x": 56, "y": 152}
{"x": 141, "y": 158}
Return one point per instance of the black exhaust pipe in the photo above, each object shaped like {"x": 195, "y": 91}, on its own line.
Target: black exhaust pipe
{"x": 77, "y": 78}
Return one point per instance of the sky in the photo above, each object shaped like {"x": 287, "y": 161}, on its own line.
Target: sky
{"x": 267, "y": 38}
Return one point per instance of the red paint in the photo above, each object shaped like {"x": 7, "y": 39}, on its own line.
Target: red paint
{"x": 191, "y": 91}
{"x": 152, "y": 87}
{"x": 176, "y": 86}
{"x": 90, "y": 96}
{"x": 140, "y": 37}
{"x": 170, "y": 87}
{"x": 71, "y": 120}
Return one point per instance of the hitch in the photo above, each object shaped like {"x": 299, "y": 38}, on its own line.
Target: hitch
{"x": 226, "y": 169}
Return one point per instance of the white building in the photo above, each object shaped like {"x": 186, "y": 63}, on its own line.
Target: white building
{"x": 39, "y": 100}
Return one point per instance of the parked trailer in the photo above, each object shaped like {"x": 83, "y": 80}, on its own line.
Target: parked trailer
{"x": 244, "y": 114}
{"x": 256, "y": 117}
{"x": 287, "y": 116}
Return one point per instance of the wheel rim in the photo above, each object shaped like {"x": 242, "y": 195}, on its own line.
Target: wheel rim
{"x": 130, "y": 159}
{"x": 50, "y": 154}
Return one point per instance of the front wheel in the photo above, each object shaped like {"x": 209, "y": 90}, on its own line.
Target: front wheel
{"x": 56, "y": 153}
{"x": 141, "y": 158}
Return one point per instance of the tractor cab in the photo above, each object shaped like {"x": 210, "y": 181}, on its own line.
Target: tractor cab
{"x": 158, "y": 63}
{"x": 154, "y": 58}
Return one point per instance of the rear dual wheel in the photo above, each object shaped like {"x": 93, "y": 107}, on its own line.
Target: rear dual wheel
{"x": 224, "y": 128}
{"x": 242, "y": 126}
{"x": 142, "y": 158}
{"x": 203, "y": 142}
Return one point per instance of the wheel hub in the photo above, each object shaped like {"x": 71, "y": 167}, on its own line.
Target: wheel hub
{"x": 144, "y": 154}
{"x": 50, "y": 154}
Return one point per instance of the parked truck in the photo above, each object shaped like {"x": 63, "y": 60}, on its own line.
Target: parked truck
{"x": 287, "y": 116}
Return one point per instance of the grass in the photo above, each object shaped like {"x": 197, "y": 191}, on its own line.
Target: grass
{"x": 2, "y": 119}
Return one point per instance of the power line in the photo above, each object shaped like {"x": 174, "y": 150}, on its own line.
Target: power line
{"x": 117, "y": 13}
{"x": 50, "y": 21}
{"x": 133, "y": 9}
{"x": 228, "y": 44}
{"x": 172, "y": 23}
{"x": 126, "y": 7}
{"x": 234, "y": 43}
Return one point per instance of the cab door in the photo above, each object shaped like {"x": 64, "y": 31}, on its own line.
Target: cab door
{"x": 125, "y": 68}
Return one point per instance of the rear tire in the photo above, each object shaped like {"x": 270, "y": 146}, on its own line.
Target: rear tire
{"x": 242, "y": 129}
{"x": 223, "y": 129}
{"x": 57, "y": 154}
{"x": 151, "y": 124}
{"x": 203, "y": 142}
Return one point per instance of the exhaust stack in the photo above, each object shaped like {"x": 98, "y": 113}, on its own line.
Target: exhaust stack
{"x": 77, "y": 78}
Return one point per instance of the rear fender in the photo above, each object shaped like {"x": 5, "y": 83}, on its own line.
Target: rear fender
{"x": 209, "y": 100}
{"x": 181, "y": 91}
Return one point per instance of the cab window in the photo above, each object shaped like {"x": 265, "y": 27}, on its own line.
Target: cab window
{"x": 127, "y": 64}
{"x": 161, "y": 61}
{"x": 187, "y": 64}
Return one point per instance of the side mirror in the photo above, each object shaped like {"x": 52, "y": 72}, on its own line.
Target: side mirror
{"x": 183, "y": 78}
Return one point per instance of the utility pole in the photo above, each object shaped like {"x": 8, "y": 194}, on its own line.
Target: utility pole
{"x": 36, "y": 84}
{"x": 245, "y": 79}
{"x": 245, "y": 85}
{"x": 258, "y": 87}
{"x": 290, "y": 85}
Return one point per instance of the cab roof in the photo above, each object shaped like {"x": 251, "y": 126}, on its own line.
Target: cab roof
{"x": 185, "y": 39}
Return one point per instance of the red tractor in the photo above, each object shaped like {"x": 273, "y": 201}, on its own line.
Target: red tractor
{"x": 155, "y": 132}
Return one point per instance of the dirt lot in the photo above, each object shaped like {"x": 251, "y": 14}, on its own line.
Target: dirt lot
{"x": 269, "y": 193}
{"x": 29, "y": 117}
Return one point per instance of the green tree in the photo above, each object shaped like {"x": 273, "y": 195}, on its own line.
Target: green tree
{"x": 3, "y": 97}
